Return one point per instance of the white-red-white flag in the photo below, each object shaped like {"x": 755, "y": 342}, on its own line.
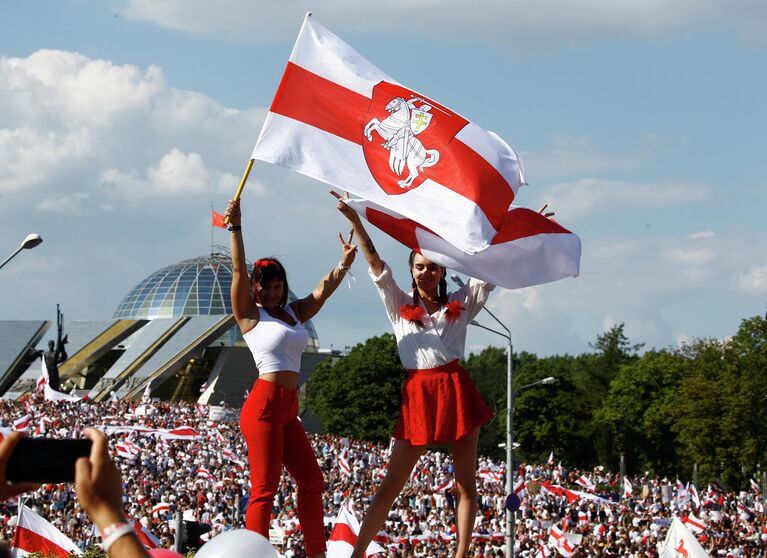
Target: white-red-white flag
{"x": 343, "y": 464}
{"x": 586, "y": 483}
{"x": 43, "y": 379}
{"x": 339, "y": 119}
{"x": 34, "y": 534}
{"x": 559, "y": 541}
{"x": 51, "y": 394}
{"x": 128, "y": 450}
{"x": 204, "y": 473}
{"x": 680, "y": 543}
{"x": 521, "y": 489}
{"x": 180, "y": 433}
{"x": 694, "y": 496}
{"x": 145, "y": 535}
{"x": 22, "y": 424}
{"x": 445, "y": 486}
{"x": 694, "y": 524}
{"x": 161, "y": 507}
{"x": 628, "y": 490}
{"x": 529, "y": 249}
{"x": 344, "y": 536}
{"x": 550, "y": 461}
{"x": 755, "y": 486}
{"x": 147, "y": 395}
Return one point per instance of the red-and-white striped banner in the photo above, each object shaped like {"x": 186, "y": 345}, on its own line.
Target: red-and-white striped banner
{"x": 339, "y": 119}
{"x": 344, "y": 536}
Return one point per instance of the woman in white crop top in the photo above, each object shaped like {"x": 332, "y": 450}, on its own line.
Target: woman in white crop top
{"x": 275, "y": 334}
{"x": 440, "y": 403}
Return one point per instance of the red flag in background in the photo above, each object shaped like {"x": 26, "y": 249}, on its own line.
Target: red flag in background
{"x": 217, "y": 220}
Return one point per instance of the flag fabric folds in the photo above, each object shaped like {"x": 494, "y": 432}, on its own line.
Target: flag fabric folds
{"x": 217, "y": 220}
{"x": 529, "y": 249}
{"x": 337, "y": 118}
{"x": 34, "y": 534}
{"x": 680, "y": 542}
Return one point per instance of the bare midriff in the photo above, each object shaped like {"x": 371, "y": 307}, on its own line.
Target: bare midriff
{"x": 285, "y": 378}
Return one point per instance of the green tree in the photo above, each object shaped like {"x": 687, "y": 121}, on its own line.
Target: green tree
{"x": 359, "y": 396}
{"x": 632, "y": 414}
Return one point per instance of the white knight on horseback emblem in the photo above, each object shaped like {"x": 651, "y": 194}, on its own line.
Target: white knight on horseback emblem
{"x": 399, "y": 130}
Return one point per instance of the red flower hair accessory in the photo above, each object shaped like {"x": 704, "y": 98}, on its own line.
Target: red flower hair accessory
{"x": 411, "y": 312}
{"x": 453, "y": 310}
{"x": 263, "y": 262}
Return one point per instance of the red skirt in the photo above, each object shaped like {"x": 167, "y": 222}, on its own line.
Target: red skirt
{"x": 439, "y": 406}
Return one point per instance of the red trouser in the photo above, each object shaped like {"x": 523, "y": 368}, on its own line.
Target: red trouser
{"x": 275, "y": 437}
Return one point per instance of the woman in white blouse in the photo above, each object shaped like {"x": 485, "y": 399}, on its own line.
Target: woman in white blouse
{"x": 440, "y": 403}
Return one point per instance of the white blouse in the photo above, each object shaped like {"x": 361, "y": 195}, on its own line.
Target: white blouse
{"x": 437, "y": 340}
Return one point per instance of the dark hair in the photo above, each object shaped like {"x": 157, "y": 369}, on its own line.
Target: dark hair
{"x": 264, "y": 272}
{"x": 441, "y": 290}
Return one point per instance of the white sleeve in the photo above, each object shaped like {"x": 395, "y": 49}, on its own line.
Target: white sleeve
{"x": 476, "y": 295}
{"x": 392, "y": 296}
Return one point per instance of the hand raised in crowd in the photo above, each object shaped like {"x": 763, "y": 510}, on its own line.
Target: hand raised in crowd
{"x": 8, "y": 490}
{"x": 547, "y": 214}
{"x": 232, "y": 214}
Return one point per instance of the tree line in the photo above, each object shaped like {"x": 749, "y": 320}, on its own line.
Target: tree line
{"x": 664, "y": 410}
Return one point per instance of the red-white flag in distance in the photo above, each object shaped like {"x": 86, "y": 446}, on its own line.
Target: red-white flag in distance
{"x": 529, "y": 249}
{"x": 22, "y": 423}
{"x": 445, "y": 486}
{"x": 344, "y": 536}
{"x": 559, "y": 541}
{"x": 681, "y": 543}
{"x": 586, "y": 483}
{"x": 343, "y": 464}
{"x": 145, "y": 535}
{"x": 628, "y": 490}
{"x": 550, "y": 461}
{"x": 755, "y": 486}
{"x": 339, "y": 119}
{"x": 694, "y": 524}
{"x": 35, "y": 534}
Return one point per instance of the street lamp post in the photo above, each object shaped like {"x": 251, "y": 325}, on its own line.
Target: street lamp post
{"x": 510, "y": 402}
{"x": 510, "y": 518}
{"x": 30, "y": 242}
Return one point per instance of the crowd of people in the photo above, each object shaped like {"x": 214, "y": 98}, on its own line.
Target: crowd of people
{"x": 201, "y": 472}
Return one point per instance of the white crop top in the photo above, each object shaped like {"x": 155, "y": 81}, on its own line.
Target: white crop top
{"x": 275, "y": 345}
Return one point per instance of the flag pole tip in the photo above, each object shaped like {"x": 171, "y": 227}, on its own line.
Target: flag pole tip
{"x": 308, "y": 14}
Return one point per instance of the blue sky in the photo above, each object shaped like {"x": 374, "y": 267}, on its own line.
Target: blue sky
{"x": 641, "y": 124}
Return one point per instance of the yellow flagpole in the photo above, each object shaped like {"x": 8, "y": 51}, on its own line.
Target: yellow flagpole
{"x": 238, "y": 193}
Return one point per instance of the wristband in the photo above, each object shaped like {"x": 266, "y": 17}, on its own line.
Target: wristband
{"x": 113, "y": 532}
{"x": 342, "y": 267}
{"x": 233, "y": 228}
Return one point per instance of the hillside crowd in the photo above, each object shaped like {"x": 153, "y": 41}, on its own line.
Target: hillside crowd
{"x": 175, "y": 458}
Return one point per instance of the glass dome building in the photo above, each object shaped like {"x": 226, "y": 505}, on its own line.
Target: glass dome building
{"x": 193, "y": 287}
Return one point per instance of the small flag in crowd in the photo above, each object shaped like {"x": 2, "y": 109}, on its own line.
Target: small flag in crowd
{"x": 628, "y": 490}
{"x": 559, "y": 541}
{"x": 551, "y": 459}
{"x": 344, "y": 536}
{"x": 34, "y": 534}
{"x": 694, "y": 524}
{"x": 343, "y": 463}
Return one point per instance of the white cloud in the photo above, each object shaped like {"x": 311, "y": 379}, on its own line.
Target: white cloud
{"x": 69, "y": 119}
{"x": 527, "y": 24}
{"x": 588, "y": 195}
{"x": 754, "y": 281}
{"x": 708, "y": 233}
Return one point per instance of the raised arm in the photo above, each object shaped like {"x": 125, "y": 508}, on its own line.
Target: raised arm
{"x": 307, "y": 307}
{"x": 243, "y": 307}
{"x": 368, "y": 250}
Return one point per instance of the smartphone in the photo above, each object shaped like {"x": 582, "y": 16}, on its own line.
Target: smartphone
{"x": 45, "y": 460}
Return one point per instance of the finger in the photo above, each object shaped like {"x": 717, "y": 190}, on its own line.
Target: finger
{"x": 335, "y": 194}
{"x": 341, "y": 238}
{"x": 82, "y": 472}
{"x": 351, "y": 235}
{"x": 543, "y": 208}
{"x": 99, "y": 447}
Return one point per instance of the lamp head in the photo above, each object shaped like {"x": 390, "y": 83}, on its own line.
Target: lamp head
{"x": 31, "y": 241}
{"x": 549, "y": 380}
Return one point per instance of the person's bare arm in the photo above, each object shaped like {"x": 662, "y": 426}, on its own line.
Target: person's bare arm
{"x": 368, "y": 249}
{"x": 243, "y": 307}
